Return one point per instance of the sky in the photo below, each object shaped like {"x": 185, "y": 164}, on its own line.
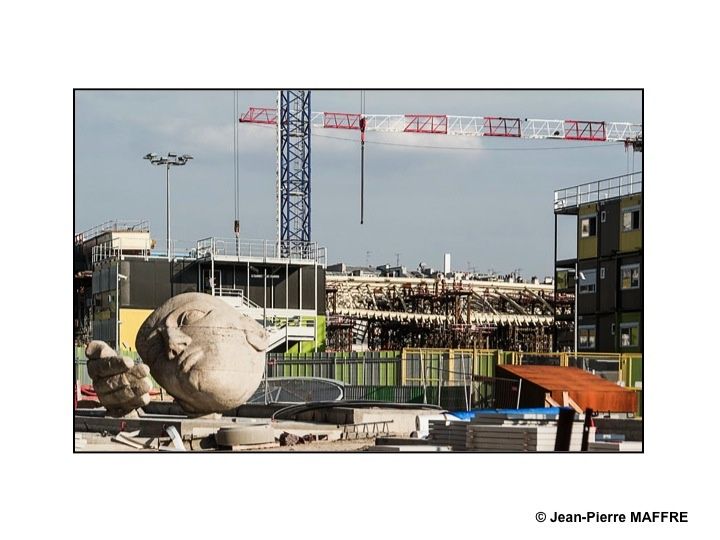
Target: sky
{"x": 486, "y": 201}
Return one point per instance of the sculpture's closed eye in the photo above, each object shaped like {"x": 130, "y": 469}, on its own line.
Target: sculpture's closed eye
{"x": 190, "y": 316}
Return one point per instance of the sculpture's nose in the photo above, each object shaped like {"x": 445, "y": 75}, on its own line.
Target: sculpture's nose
{"x": 177, "y": 341}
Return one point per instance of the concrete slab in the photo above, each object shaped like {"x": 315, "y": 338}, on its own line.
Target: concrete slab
{"x": 249, "y": 447}
{"x": 402, "y": 441}
{"x": 200, "y": 432}
{"x": 409, "y": 448}
{"x": 148, "y": 427}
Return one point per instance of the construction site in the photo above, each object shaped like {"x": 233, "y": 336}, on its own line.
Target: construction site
{"x": 382, "y": 357}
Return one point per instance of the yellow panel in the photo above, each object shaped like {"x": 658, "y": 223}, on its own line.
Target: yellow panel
{"x": 631, "y": 240}
{"x": 587, "y": 246}
{"x": 635, "y": 200}
{"x": 104, "y": 315}
{"x": 587, "y": 209}
{"x": 130, "y": 322}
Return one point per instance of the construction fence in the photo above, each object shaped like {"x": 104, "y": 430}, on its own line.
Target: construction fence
{"x": 415, "y": 367}
{"x": 453, "y": 378}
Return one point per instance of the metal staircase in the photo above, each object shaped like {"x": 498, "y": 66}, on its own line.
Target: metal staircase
{"x": 283, "y": 326}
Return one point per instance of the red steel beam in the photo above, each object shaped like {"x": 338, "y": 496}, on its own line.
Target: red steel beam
{"x": 498, "y": 126}
{"x": 426, "y": 123}
{"x": 585, "y": 130}
{"x": 260, "y": 115}
{"x": 341, "y": 120}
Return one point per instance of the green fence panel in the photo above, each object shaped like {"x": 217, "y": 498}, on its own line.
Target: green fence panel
{"x": 636, "y": 370}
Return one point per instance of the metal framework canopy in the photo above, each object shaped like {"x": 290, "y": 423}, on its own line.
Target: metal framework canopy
{"x": 293, "y": 182}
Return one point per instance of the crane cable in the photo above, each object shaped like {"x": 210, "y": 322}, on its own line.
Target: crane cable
{"x": 236, "y": 164}
{"x": 362, "y": 156}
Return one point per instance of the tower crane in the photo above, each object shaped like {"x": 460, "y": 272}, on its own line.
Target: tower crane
{"x": 294, "y": 120}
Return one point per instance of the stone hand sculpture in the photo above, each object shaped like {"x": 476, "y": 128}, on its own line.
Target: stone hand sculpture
{"x": 202, "y": 351}
{"x": 121, "y": 385}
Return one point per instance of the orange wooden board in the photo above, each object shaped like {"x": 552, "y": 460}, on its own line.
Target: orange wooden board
{"x": 586, "y": 389}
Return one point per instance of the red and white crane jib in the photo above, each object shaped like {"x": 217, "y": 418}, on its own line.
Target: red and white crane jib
{"x": 476, "y": 126}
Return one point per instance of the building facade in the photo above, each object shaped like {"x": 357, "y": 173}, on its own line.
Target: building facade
{"x": 603, "y": 285}
{"x": 119, "y": 281}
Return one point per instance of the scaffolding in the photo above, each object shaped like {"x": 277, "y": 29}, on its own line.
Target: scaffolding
{"x": 393, "y": 313}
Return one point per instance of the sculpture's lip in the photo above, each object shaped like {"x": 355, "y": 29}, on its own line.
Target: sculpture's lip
{"x": 188, "y": 359}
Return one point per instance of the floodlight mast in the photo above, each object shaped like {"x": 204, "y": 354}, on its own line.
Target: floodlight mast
{"x": 175, "y": 160}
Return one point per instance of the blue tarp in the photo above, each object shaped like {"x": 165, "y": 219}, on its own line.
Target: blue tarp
{"x": 469, "y": 415}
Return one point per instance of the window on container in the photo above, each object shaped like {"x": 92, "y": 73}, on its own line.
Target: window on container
{"x": 630, "y": 276}
{"x": 588, "y": 281}
{"x": 586, "y": 337}
{"x": 588, "y": 226}
{"x": 561, "y": 278}
{"x": 631, "y": 219}
{"x": 629, "y": 334}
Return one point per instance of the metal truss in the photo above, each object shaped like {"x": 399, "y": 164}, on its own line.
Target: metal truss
{"x": 395, "y": 312}
{"x": 293, "y": 168}
{"x": 474, "y": 126}
{"x": 294, "y": 120}
{"x": 487, "y": 126}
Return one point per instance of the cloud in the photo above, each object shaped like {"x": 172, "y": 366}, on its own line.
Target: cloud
{"x": 166, "y": 118}
{"x": 422, "y": 196}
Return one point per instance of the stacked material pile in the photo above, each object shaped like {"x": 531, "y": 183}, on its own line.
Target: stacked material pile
{"x": 506, "y": 432}
{"x": 620, "y": 446}
{"x": 449, "y": 433}
{"x": 520, "y": 433}
{"x": 409, "y": 448}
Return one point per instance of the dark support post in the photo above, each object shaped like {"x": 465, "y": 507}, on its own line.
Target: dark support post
{"x": 75, "y": 380}
{"x": 555, "y": 292}
{"x": 564, "y": 429}
{"x": 586, "y": 429}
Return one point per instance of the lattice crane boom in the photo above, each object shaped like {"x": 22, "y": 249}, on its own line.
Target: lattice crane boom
{"x": 474, "y": 126}
{"x": 293, "y": 182}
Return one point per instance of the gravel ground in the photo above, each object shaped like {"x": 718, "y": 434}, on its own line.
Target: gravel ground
{"x": 104, "y": 444}
{"x": 327, "y": 446}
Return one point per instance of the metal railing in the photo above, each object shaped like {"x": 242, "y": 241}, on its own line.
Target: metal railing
{"x": 111, "y": 249}
{"x": 600, "y": 190}
{"x": 114, "y": 225}
{"x": 265, "y": 249}
{"x": 224, "y": 247}
{"x": 104, "y": 251}
{"x": 179, "y": 248}
{"x": 230, "y": 291}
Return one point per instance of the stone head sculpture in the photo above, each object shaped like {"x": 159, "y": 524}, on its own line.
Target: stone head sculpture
{"x": 204, "y": 352}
